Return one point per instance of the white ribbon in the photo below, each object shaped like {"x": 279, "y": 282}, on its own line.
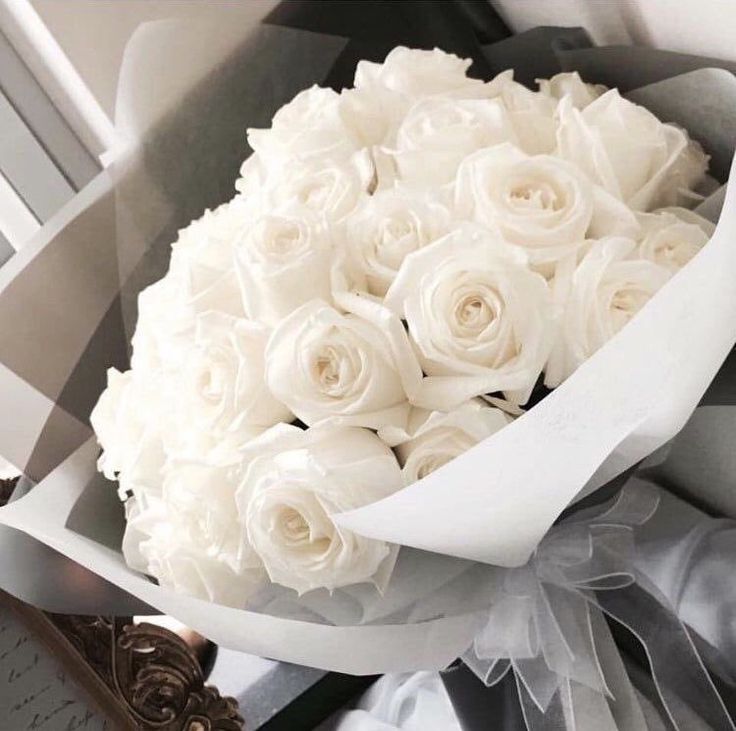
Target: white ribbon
{"x": 547, "y": 625}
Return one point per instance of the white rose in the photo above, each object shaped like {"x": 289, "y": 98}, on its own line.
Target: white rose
{"x": 435, "y": 438}
{"x": 629, "y": 152}
{"x": 540, "y": 202}
{"x": 386, "y": 228}
{"x": 189, "y": 537}
{"x": 289, "y": 491}
{"x": 201, "y": 258}
{"x": 325, "y": 190}
{"x": 124, "y": 418}
{"x": 672, "y": 236}
{"x": 532, "y": 115}
{"x": 608, "y": 288}
{"x": 219, "y": 394}
{"x": 438, "y": 133}
{"x": 418, "y": 73}
{"x": 312, "y": 124}
{"x": 282, "y": 262}
{"x": 326, "y": 365}
{"x": 201, "y": 278}
{"x": 480, "y": 318}
{"x": 570, "y": 84}
{"x": 385, "y": 92}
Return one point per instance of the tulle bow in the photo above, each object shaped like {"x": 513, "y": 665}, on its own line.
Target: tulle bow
{"x": 546, "y": 624}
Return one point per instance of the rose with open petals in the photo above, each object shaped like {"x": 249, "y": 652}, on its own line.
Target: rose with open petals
{"x": 672, "y": 236}
{"x": 386, "y": 228}
{"x": 283, "y": 261}
{"x": 201, "y": 278}
{"x": 221, "y": 397}
{"x": 325, "y": 190}
{"x": 417, "y": 73}
{"x": 328, "y": 366}
{"x": 438, "y": 133}
{"x": 187, "y": 535}
{"x": 480, "y": 318}
{"x": 292, "y": 486}
{"x": 608, "y": 288}
{"x": 434, "y": 438}
{"x": 538, "y": 202}
{"x": 311, "y": 125}
{"x": 571, "y": 85}
{"x": 532, "y": 115}
{"x": 624, "y": 148}
{"x": 129, "y": 413}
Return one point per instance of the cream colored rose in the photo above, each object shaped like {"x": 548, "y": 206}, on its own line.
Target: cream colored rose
{"x": 532, "y": 115}
{"x": 201, "y": 278}
{"x": 283, "y": 261}
{"x": 539, "y": 202}
{"x": 219, "y": 395}
{"x": 434, "y": 438}
{"x": 201, "y": 258}
{"x": 481, "y": 320}
{"x": 293, "y": 485}
{"x": 325, "y": 190}
{"x": 608, "y": 288}
{"x": 386, "y": 228}
{"x": 311, "y": 125}
{"x": 129, "y": 412}
{"x": 624, "y": 148}
{"x": 438, "y": 133}
{"x": 328, "y": 366}
{"x": 417, "y": 73}
{"x": 189, "y": 538}
{"x": 672, "y": 236}
{"x": 571, "y": 85}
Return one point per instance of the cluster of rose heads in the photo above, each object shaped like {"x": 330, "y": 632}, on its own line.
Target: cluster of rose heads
{"x": 402, "y": 264}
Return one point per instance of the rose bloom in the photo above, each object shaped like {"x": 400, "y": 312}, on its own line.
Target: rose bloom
{"x": 282, "y": 261}
{"x": 538, "y": 202}
{"x": 291, "y": 487}
{"x": 386, "y": 228}
{"x": 311, "y": 125}
{"x": 187, "y": 535}
{"x": 672, "y": 236}
{"x": 127, "y": 415}
{"x": 325, "y": 365}
{"x": 480, "y": 318}
{"x": 219, "y": 395}
{"x": 532, "y": 114}
{"x": 438, "y": 133}
{"x": 417, "y": 73}
{"x": 434, "y": 438}
{"x": 572, "y": 86}
{"x": 201, "y": 278}
{"x": 384, "y": 93}
{"x": 324, "y": 189}
{"x": 624, "y": 148}
{"x": 608, "y": 288}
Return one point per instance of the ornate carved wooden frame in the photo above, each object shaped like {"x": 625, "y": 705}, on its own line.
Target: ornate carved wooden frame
{"x": 142, "y": 676}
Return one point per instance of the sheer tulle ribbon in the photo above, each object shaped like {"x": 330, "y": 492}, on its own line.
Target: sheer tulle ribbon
{"x": 547, "y": 625}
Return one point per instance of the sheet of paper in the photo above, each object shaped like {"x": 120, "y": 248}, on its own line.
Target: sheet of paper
{"x": 35, "y": 690}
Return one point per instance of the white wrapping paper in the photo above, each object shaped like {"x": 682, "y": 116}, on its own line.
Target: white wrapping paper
{"x": 73, "y": 289}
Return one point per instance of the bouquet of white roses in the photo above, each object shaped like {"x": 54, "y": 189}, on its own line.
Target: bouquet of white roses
{"x": 402, "y": 266}
{"x": 437, "y": 311}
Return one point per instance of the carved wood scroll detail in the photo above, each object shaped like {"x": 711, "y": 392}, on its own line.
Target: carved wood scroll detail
{"x": 147, "y": 672}
{"x": 153, "y": 673}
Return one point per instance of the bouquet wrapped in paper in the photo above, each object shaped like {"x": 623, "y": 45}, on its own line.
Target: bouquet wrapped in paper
{"x": 342, "y": 416}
